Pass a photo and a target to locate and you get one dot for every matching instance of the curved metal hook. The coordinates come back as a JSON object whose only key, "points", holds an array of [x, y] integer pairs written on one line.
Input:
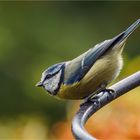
{"points": [[89, 108]]}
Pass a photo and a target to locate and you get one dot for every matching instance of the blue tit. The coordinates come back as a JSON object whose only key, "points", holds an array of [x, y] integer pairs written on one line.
{"points": [[88, 73]]}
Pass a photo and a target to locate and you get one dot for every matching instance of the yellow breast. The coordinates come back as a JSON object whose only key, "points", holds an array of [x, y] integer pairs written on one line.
{"points": [[69, 91]]}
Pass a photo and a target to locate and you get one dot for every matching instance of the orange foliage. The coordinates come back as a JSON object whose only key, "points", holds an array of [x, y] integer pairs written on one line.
{"points": [[62, 130], [118, 120]]}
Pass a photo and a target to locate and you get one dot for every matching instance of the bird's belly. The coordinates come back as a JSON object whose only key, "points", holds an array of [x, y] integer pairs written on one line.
{"points": [[101, 73], [78, 90]]}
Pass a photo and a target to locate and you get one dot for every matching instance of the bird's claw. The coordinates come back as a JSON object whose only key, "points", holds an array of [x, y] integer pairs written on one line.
{"points": [[96, 99], [111, 93]]}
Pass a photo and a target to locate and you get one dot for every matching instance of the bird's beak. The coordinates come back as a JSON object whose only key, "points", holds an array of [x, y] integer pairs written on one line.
{"points": [[125, 34], [39, 84]]}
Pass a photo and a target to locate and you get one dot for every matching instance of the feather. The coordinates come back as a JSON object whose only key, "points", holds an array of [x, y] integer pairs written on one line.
{"points": [[79, 66]]}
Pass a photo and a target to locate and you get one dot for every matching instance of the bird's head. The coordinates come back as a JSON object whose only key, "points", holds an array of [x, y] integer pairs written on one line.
{"points": [[52, 78]]}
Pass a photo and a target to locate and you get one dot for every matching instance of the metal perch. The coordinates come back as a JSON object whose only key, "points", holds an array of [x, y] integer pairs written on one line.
{"points": [[89, 108]]}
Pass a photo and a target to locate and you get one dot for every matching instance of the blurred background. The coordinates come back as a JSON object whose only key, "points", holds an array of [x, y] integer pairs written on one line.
{"points": [[35, 35]]}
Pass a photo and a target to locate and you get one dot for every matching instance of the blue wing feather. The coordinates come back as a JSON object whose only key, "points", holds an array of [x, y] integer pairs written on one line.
{"points": [[87, 61]]}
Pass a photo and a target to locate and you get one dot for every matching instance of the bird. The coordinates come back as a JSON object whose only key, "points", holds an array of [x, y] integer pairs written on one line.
{"points": [[89, 73]]}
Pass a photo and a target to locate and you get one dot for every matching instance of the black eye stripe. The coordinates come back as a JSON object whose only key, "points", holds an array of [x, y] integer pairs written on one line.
{"points": [[50, 75], [47, 77], [53, 70]]}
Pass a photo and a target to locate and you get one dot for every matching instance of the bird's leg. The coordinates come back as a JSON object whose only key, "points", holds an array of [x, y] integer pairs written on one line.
{"points": [[97, 97], [101, 88], [92, 95], [111, 93]]}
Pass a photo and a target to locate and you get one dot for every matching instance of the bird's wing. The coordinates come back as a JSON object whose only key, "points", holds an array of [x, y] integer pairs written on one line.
{"points": [[78, 67]]}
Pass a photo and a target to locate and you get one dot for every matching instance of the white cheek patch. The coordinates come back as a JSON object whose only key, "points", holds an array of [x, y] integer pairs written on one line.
{"points": [[52, 84]]}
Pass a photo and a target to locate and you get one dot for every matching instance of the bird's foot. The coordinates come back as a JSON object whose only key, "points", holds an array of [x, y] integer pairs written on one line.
{"points": [[111, 93], [94, 98], [97, 98]]}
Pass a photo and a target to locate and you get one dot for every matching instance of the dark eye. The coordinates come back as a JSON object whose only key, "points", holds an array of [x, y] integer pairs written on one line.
{"points": [[48, 76]]}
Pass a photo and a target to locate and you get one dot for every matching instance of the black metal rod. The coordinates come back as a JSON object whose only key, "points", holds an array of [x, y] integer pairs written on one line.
{"points": [[89, 108]]}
